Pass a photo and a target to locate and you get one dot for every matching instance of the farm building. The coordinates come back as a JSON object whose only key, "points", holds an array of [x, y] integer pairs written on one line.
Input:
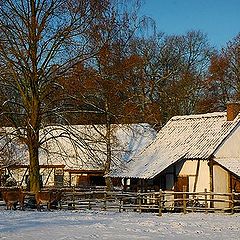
{"points": [[196, 151], [75, 155]]}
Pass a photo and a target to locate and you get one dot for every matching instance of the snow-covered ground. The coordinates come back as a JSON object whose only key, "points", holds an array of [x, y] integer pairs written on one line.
{"points": [[65, 225]]}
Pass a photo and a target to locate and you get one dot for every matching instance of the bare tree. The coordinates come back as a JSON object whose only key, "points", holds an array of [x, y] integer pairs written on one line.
{"points": [[107, 89], [223, 81], [232, 54], [175, 67], [39, 41]]}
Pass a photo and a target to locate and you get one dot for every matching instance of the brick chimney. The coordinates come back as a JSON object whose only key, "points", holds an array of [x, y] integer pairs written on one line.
{"points": [[233, 109]]}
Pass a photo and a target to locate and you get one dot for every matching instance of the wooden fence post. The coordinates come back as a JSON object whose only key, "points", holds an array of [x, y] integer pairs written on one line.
{"points": [[232, 202], [89, 201], [139, 201], [105, 201], [120, 204], [184, 199], [205, 201], [73, 198], [160, 203]]}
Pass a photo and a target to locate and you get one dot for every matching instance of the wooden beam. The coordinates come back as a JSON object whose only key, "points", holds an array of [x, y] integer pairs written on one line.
{"points": [[48, 176], [24, 175], [82, 171], [211, 181], [41, 166], [196, 176]]}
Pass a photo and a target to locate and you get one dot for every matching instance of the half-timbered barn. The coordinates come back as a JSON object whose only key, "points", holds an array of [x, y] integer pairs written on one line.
{"points": [[195, 152], [74, 155]]}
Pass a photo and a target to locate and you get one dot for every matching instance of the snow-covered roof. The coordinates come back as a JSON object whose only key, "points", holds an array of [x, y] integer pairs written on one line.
{"points": [[183, 137], [84, 146], [232, 164]]}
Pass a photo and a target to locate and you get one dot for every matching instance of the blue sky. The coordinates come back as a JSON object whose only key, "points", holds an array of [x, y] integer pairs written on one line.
{"points": [[219, 19]]}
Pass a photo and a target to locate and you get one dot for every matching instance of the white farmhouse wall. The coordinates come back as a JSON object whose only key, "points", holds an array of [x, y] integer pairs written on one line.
{"points": [[204, 177], [220, 179], [230, 147], [220, 185], [46, 174], [228, 150], [190, 168]]}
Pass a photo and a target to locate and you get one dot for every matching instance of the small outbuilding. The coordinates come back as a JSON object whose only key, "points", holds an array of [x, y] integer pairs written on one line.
{"points": [[74, 155]]}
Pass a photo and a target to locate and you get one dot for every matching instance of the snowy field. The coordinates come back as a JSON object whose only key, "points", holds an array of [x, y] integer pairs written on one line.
{"points": [[16, 225]]}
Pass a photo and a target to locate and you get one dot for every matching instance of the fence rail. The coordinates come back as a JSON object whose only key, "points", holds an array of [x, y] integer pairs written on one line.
{"points": [[162, 201], [159, 202]]}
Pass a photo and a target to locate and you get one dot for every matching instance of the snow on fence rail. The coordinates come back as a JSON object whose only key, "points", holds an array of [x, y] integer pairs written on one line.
{"points": [[159, 202]]}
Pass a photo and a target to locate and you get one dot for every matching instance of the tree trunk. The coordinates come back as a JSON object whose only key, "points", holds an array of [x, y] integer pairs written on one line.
{"points": [[34, 111], [108, 180], [34, 170]]}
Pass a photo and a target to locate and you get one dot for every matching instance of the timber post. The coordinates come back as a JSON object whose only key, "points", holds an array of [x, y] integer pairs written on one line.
{"points": [[139, 201], [232, 201], [73, 198], [211, 183], [105, 201], [89, 201], [184, 199], [160, 203], [120, 205], [205, 201]]}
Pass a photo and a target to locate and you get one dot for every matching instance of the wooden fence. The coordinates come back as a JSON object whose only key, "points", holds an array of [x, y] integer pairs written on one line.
{"points": [[158, 202]]}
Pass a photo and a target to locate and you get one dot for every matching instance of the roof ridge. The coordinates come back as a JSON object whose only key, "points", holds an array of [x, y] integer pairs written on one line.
{"points": [[202, 115]]}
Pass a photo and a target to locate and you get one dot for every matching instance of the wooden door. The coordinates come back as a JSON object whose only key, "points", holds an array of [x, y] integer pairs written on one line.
{"points": [[180, 183]]}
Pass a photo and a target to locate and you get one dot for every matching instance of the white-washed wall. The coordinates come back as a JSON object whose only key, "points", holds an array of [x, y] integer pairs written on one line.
{"points": [[220, 185], [204, 177], [231, 146], [189, 169], [47, 174]]}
